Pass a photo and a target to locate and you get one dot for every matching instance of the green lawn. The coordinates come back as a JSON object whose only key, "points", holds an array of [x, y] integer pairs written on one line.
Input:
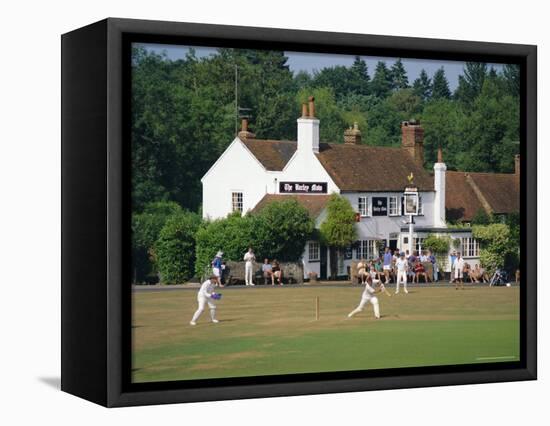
{"points": [[266, 331]]}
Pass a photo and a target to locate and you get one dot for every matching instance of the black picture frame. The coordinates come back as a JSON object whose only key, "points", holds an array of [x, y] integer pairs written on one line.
{"points": [[96, 307]]}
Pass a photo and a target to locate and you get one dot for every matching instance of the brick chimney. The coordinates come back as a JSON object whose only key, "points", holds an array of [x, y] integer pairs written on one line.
{"points": [[308, 128], [352, 136], [412, 139], [244, 133]]}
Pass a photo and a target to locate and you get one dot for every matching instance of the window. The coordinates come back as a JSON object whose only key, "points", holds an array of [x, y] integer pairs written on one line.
{"points": [[366, 249], [314, 251], [394, 207], [363, 205], [418, 244], [237, 202], [470, 247]]}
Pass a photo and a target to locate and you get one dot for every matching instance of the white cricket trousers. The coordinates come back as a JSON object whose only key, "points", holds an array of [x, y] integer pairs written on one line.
{"points": [[248, 273], [364, 300], [202, 302], [401, 276]]}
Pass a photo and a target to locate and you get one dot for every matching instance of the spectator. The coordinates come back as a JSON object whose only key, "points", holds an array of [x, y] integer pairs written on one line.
{"points": [[517, 276], [453, 260], [362, 271], [419, 271], [424, 257], [387, 264], [217, 267], [267, 271], [468, 272], [433, 261], [479, 274], [277, 272], [459, 271]]}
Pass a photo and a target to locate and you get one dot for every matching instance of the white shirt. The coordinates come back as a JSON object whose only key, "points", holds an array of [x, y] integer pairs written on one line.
{"points": [[401, 264], [459, 264], [206, 289], [369, 292], [249, 257]]}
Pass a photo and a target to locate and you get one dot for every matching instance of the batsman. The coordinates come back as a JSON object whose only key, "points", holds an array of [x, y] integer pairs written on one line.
{"points": [[205, 296], [368, 296]]}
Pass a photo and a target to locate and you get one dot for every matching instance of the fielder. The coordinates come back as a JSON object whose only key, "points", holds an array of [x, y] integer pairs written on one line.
{"points": [[368, 296], [249, 258], [206, 295], [402, 266]]}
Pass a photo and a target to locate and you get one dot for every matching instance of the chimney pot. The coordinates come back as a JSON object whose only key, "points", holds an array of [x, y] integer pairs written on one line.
{"points": [[439, 155], [244, 133], [304, 110], [311, 107], [517, 164], [352, 135]]}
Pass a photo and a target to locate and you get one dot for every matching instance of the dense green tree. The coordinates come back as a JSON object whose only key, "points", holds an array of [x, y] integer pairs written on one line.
{"points": [[381, 83], [281, 231], [176, 248], [495, 244], [338, 230], [511, 75], [471, 82], [422, 86], [146, 227], [440, 88], [399, 79], [359, 77]]}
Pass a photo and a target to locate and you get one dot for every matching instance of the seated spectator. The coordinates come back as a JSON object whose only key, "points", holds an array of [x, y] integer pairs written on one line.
{"points": [[267, 270], [418, 271], [468, 272], [362, 271], [277, 272], [479, 274]]}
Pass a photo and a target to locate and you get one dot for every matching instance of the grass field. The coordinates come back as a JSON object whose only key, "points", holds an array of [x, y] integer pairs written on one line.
{"points": [[266, 331]]}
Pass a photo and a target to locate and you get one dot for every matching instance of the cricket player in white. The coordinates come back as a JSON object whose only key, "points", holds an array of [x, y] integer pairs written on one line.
{"points": [[249, 258], [205, 296], [459, 271], [368, 296], [402, 265]]}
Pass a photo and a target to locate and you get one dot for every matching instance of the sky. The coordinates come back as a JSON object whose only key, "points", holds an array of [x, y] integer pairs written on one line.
{"points": [[301, 61]]}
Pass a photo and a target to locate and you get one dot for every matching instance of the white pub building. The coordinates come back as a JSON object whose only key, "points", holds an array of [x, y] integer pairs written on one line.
{"points": [[252, 172]]}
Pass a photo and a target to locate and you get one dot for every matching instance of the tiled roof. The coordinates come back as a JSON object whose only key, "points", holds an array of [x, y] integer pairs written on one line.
{"points": [[272, 154], [372, 168], [314, 204], [352, 167], [468, 192]]}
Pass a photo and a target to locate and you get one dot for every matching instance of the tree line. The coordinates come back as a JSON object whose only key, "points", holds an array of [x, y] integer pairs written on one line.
{"points": [[183, 113]]}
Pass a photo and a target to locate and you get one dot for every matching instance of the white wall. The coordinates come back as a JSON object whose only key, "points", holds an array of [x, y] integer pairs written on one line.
{"points": [[304, 166], [379, 227], [235, 171]]}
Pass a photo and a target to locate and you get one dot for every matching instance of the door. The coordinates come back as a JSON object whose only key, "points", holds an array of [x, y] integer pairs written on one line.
{"points": [[393, 245], [323, 265]]}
